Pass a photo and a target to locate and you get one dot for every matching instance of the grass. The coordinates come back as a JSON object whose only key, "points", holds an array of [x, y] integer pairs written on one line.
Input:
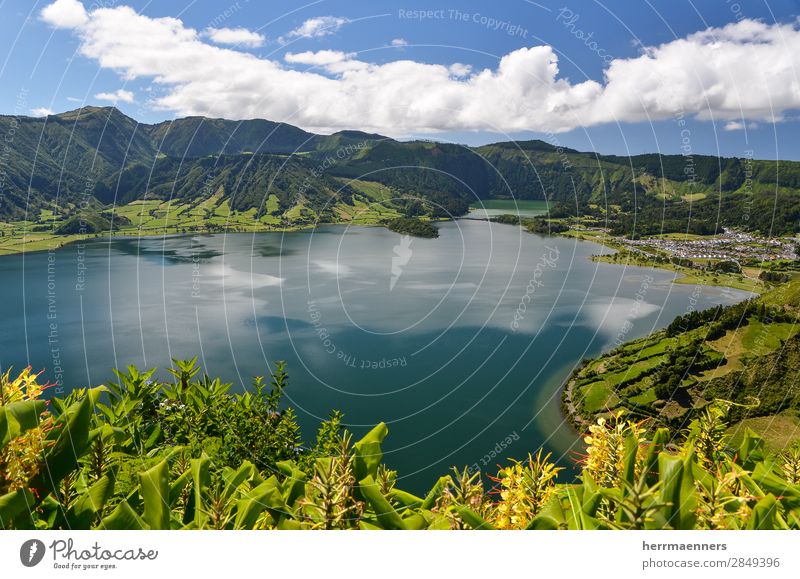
{"points": [[779, 431], [159, 217], [693, 197], [759, 339], [597, 397], [688, 276]]}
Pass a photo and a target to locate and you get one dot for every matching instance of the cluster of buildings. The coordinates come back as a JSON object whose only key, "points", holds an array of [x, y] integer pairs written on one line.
{"points": [[730, 245]]}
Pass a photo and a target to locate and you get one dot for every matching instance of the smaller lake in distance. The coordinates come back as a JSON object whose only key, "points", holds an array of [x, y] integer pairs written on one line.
{"points": [[494, 207]]}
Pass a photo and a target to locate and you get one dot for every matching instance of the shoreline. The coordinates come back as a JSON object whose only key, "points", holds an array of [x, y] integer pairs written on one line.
{"points": [[61, 241]]}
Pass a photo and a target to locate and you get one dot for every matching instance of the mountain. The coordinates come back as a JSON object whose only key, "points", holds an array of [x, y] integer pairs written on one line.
{"points": [[96, 156]]}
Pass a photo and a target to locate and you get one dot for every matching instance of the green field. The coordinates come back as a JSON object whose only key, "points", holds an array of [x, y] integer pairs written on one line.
{"points": [[371, 205], [751, 360]]}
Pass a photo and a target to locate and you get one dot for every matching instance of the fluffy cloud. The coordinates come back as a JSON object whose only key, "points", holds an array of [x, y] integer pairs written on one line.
{"points": [[743, 72], [65, 14], [120, 95], [317, 27], [235, 36], [41, 112], [399, 42], [738, 126], [319, 58]]}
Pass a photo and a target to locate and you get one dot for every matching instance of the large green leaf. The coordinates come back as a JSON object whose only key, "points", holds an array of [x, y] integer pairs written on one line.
{"points": [[70, 441], [660, 438], [368, 454], [294, 485], [154, 488], [763, 517], [408, 500], [19, 417], [234, 479], [266, 496], [678, 490], [787, 494], [551, 516], [87, 507], [435, 492], [384, 511], [751, 450], [14, 503], [473, 519], [201, 478], [122, 518]]}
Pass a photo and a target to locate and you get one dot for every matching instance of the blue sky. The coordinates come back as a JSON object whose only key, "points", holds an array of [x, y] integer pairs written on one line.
{"points": [[329, 64]]}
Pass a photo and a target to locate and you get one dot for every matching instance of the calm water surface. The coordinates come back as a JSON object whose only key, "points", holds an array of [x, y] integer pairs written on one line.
{"points": [[459, 344]]}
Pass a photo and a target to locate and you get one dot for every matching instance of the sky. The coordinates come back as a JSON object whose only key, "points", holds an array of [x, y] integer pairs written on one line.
{"points": [[717, 77]]}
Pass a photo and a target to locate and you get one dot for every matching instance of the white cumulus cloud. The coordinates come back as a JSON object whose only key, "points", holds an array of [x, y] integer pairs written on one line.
{"points": [[235, 36], [319, 58], [317, 27], [399, 42], [65, 14], [742, 72], [738, 126], [41, 112], [120, 95]]}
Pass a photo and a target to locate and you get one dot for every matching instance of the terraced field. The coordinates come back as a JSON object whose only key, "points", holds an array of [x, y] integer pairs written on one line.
{"points": [[667, 377]]}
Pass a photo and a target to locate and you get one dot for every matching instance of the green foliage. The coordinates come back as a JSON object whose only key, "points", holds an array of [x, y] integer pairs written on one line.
{"points": [[632, 477], [412, 226]]}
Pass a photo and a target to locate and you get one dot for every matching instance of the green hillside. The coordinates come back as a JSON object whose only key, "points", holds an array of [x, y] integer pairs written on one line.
{"points": [[95, 157], [748, 354]]}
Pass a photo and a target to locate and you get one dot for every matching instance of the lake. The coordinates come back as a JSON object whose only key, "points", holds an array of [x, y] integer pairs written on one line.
{"points": [[460, 344], [494, 207]]}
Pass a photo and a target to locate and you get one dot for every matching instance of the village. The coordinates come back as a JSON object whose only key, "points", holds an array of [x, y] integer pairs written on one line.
{"points": [[730, 245]]}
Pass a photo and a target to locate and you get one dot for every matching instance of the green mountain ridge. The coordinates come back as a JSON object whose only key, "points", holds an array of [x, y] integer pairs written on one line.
{"points": [[97, 156]]}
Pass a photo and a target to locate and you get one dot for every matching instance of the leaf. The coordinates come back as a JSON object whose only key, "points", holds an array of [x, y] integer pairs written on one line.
{"points": [[408, 500], [123, 518], [154, 488], [200, 477], [71, 441], [296, 480], [435, 492], [660, 438], [415, 522], [368, 454], [551, 516], [763, 515], [86, 508], [19, 417], [578, 519], [234, 479], [265, 496], [751, 450], [678, 490], [176, 488], [629, 458], [384, 512], [788, 495], [473, 519], [14, 503]]}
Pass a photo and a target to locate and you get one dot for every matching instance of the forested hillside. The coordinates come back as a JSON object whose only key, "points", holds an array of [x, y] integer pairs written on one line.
{"points": [[97, 157]]}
